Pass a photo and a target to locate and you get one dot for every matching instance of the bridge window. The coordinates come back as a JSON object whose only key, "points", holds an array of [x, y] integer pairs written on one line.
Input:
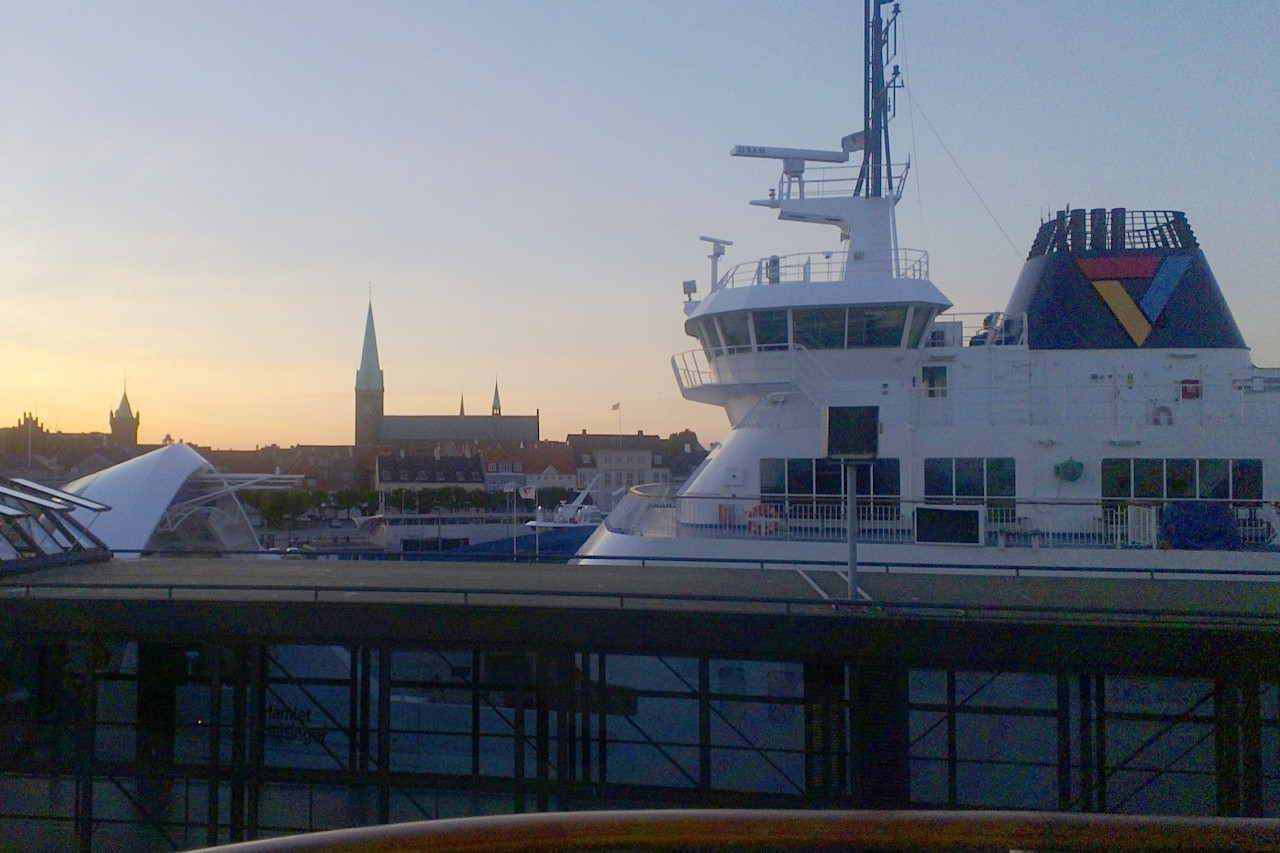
{"points": [[876, 327], [705, 330], [920, 316], [771, 329], [819, 328], [733, 328]]}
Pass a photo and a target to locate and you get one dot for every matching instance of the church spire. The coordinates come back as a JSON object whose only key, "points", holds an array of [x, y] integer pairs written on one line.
{"points": [[124, 423], [497, 404], [369, 376], [369, 395], [462, 405]]}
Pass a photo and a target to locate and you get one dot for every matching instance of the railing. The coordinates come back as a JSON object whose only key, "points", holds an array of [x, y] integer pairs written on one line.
{"points": [[839, 182], [822, 267], [652, 511], [764, 831], [990, 329], [694, 370]]}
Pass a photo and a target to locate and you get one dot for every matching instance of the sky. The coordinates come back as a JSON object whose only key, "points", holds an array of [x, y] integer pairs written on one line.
{"points": [[198, 200]]}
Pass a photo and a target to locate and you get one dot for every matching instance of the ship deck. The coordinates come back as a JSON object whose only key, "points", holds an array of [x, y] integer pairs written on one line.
{"points": [[374, 584]]}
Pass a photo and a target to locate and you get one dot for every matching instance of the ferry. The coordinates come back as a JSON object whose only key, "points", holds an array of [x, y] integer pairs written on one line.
{"points": [[1108, 419]]}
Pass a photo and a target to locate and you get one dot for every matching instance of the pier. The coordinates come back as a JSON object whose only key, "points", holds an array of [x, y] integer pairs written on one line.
{"points": [[164, 704]]}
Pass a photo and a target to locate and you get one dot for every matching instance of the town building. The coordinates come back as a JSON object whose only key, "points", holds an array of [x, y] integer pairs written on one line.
{"points": [[545, 465], [610, 464]]}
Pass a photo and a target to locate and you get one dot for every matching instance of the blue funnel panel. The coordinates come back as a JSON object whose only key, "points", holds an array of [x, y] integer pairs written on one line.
{"points": [[1129, 280]]}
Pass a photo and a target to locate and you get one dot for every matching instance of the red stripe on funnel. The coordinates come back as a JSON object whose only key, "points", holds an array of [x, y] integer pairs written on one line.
{"points": [[1130, 266]]}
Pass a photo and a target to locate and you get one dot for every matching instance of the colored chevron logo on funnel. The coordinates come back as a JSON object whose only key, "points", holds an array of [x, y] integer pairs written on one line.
{"points": [[1164, 274]]}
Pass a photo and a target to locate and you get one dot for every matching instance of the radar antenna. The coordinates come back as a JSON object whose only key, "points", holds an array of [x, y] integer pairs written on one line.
{"points": [[717, 252]]}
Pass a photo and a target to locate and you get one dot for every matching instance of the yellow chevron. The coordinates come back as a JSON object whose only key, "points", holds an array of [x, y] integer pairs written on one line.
{"points": [[1125, 309]]}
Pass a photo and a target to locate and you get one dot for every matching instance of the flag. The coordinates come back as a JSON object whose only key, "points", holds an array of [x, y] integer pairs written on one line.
{"points": [[617, 406], [527, 492]]}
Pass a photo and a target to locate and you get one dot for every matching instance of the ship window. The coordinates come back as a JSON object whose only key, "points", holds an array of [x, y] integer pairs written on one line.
{"points": [[1214, 479], [800, 476], [825, 478], [771, 329], [919, 319], [773, 477], [1180, 478], [707, 334], [933, 378], [1158, 479], [1148, 478], [733, 327], [876, 327], [819, 328], [969, 478], [828, 475], [1246, 479]]}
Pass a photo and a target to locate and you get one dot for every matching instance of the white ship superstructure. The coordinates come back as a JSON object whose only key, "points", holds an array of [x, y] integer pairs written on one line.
{"points": [[1109, 418]]}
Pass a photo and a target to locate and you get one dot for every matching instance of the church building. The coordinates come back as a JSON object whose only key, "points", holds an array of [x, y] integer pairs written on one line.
{"points": [[377, 433]]}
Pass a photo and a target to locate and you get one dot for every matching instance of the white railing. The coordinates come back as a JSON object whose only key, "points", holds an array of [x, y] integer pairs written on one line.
{"points": [[694, 370], [839, 182], [821, 267], [652, 510]]}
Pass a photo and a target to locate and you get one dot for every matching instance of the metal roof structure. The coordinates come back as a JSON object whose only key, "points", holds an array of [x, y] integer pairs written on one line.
{"points": [[38, 529], [172, 500]]}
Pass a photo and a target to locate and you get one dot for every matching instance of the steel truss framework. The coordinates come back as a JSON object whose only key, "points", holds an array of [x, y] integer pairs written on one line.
{"points": [[135, 744]]}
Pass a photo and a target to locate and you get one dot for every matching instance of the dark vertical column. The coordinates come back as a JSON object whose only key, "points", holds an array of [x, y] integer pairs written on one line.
{"points": [[241, 655], [1100, 741], [827, 738], [704, 723], [1226, 747], [517, 744], [1077, 230], [1064, 742], [159, 666], [213, 654], [256, 662], [1250, 749], [86, 697], [366, 702], [475, 731], [542, 733], [880, 737], [353, 714], [603, 716], [1098, 229], [1086, 743], [1117, 229], [564, 703], [586, 691], [953, 749], [384, 734]]}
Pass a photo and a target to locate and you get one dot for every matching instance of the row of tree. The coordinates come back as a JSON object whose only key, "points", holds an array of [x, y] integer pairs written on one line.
{"points": [[280, 506]]}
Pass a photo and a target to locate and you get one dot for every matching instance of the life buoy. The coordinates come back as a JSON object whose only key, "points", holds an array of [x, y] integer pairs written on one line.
{"points": [[763, 520]]}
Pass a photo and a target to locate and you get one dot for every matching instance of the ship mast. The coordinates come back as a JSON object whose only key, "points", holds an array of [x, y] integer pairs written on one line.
{"points": [[875, 180]]}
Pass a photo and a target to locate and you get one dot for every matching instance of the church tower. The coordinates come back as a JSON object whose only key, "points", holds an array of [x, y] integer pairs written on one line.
{"points": [[369, 391], [497, 404], [124, 423]]}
